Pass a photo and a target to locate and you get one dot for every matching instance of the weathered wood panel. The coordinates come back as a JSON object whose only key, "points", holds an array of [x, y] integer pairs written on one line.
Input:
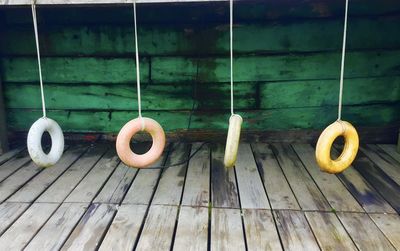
{"points": [[22, 231], [4, 157], [192, 229], [14, 164], [365, 234], [4, 147], [260, 229], [279, 192], [158, 228], [389, 225], [124, 229], [226, 230], [391, 150], [9, 212], [197, 182], [251, 190], [57, 229]]}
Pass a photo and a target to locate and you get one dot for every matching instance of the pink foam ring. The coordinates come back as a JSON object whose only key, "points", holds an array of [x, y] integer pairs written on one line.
{"points": [[129, 130]]}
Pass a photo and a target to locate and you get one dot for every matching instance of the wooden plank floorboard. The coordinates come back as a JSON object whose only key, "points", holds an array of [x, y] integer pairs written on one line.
{"points": [[251, 190], [91, 228], [117, 185], [33, 188], [391, 150], [63, 186], [11, 166], [279, 192], [306, 191], [22, 231], [389, 165], [226, 230], [294, 231], [365, 234], [158, 228], [197, 184], [224, 192], [89, 186], [329, 232], [192, 229], [260, 229], [389, 224], [57, 229], [331, 187], [10, 154], [170, 186], [125, 228], [9, 212]]}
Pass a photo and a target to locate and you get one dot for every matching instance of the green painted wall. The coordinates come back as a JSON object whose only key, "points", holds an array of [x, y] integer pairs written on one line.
{"points": [[286, 69]]}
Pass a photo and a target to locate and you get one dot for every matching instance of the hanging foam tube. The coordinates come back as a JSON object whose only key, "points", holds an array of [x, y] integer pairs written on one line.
{"points": [[128, 131], [34, 142], [232, 140], [324, 145]]}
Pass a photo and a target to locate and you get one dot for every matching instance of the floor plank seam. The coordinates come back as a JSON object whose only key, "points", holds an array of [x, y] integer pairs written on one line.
{"points": [[241, 210]]}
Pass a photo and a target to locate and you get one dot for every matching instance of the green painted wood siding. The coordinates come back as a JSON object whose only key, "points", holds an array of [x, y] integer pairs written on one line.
{"points": [[286, 70]]}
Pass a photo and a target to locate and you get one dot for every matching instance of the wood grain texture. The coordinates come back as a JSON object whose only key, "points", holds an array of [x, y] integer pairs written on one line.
{"points": [[391, 150], [197, 182], [365, 234], [251, 190], [329, 232], [389, 225], [279, 191], [158, 228], [226, 230], [9, 212], [90, 229], [65, 184], [260, 229], [22, 231], [334, 191], [224, 192], [20, 160], [124, 230], [294, 231], [306, 191], [6, 156], [192, 229], [57, 229]]}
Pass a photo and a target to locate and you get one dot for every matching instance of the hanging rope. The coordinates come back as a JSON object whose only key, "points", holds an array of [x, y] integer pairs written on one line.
{"points": [[137, 67], [231, 48], [38, 57], [342, 64]]}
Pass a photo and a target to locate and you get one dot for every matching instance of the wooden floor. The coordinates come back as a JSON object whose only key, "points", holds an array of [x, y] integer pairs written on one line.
{"points": [[274, 199]]}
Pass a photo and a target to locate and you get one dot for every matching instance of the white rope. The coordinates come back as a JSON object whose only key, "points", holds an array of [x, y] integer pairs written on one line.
{"points": [[231, 48], [38, 58], [137, 67], [342, 64]]}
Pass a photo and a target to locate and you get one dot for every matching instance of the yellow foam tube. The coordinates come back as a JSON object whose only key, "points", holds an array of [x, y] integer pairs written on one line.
{"points": [[324, 145], [232, 140]]}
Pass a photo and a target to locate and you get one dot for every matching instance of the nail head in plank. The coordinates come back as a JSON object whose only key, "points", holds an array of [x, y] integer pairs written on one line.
{"points": [[389, 224], [33, 188], [125, 228], [260, 229], [170, 186], [9, 212], [329, 232], [94, 180], [279, 192], [192, 229], [223, 183], [251, 189], [226, 230], [391, 150], [22, 231], [197, 184], [334, 191], [57, 229], [306, 191], [294, 231], [117, 185], [91, 228], [365, 234], [158, 228], [63, 186]]}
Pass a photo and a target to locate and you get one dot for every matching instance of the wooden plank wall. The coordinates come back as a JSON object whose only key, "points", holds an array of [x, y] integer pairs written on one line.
{"points": [[286, 65]]}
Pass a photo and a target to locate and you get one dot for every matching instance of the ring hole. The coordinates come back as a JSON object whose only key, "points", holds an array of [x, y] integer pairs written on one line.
{"points": [[141, 142], [46, 142], [338, 144]]}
